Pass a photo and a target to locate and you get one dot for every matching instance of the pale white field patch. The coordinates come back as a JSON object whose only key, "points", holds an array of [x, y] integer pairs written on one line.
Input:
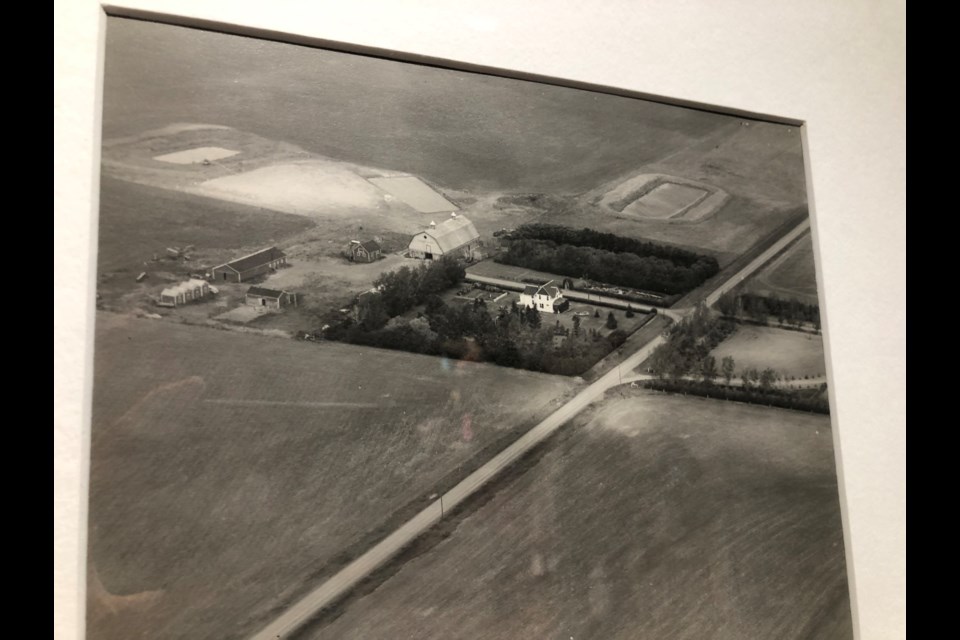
{"points": [[415, 193], [303, 188], [197, 156], [666, 200]]}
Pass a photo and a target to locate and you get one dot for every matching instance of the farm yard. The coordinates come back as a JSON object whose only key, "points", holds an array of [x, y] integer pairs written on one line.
{"points": [[230, 471], [791, 353], [791, 275], [652, 516]]}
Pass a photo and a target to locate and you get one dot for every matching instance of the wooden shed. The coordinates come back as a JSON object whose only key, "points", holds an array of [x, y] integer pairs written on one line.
{"points": [[270, 298]]}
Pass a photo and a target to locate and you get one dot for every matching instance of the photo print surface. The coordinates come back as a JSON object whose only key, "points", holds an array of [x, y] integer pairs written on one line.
{"points": [[396, 350]]}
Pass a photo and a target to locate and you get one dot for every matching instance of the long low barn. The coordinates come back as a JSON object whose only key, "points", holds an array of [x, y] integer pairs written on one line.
{"points": [[454, 236], [250, 266]]}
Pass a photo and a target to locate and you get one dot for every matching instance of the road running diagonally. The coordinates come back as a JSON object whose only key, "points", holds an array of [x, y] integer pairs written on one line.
{"points": [[348, 577]]}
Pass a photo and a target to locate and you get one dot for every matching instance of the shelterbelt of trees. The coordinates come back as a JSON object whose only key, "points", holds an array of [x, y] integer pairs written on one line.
{"points": [[684, 364], [750, 306], [627, 262], [511, 336], [813, 400]]}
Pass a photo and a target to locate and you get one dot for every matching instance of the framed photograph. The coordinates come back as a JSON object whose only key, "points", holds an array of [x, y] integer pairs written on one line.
{"points": [[390, 345]]}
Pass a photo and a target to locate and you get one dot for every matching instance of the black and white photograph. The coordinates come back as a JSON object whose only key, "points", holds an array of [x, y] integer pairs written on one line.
{"points": [[392, 349]]}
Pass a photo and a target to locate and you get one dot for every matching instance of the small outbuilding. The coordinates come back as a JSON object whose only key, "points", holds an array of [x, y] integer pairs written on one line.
{"points": [[369, 251], [250, 266], [270, 298]]}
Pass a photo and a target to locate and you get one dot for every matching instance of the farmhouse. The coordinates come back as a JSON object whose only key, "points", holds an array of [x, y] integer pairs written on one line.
{"points": [[250, 266], [184, 292], [455, 236], [269, 298], [368, 251], [547, 298]]}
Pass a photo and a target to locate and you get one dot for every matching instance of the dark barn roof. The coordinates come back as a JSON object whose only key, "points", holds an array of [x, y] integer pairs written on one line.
{"points": [[265, 293], [254, 260], [370, 246]]}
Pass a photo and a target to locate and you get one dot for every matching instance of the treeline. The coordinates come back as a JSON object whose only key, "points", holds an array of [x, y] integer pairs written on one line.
{"points": [[608, 242], [750, 306], [406, 288], [687, 348], [606, 257], [512, 336], [803, 400], [622, 269]]}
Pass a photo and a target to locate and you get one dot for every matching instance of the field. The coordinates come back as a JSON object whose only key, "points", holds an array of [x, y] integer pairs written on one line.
{"points": [[197, 155], [651, 516], [415, 193], [381, 118], [760, 167], [425, 121], [229, 472], [791, 275], [792, 353], [666, 200], [138, 221], [307, 188]]}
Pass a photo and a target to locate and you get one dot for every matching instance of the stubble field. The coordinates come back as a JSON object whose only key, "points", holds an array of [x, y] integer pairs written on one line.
{"points": [[230, 472], [652, 516], [791, 275]]}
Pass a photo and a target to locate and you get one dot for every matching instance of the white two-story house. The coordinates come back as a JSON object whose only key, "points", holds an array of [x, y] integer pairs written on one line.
{"points": [[546, 298]]}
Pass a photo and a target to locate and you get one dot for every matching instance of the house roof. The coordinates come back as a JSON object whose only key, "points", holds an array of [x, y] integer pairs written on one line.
{"points": [[370, 246], [453, 233], [264, 292], [530, 290], [255, 259], [553, 292]]}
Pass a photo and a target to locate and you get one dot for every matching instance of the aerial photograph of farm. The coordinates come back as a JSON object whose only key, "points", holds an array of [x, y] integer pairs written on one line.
{"points": [[387, 350]]}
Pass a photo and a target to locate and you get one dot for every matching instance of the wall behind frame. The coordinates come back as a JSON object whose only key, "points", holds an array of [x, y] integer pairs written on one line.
{"points": [[840, 67]]}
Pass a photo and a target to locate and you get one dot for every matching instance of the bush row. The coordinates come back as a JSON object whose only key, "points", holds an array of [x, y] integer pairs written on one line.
{"points": [[808, 400]]}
